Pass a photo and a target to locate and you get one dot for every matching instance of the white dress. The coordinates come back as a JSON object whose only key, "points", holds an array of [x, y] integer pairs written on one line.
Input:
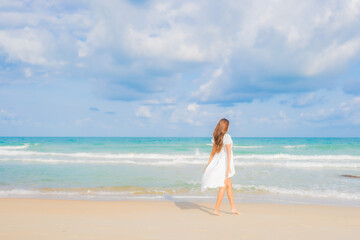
{"points": [[215, 173]]}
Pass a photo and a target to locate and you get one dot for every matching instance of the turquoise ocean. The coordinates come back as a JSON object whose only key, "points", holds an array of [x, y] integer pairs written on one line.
{"points": [[280, 170]]}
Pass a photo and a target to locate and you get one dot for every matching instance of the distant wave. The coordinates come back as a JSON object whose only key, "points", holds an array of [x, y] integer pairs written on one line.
{"points": [[248, 147], [177, 162], [301, 164], [120, 161], [234, 146], [26, 145], [198, 155], [157, 159], [282, 156], [294, 146], [103, 155], [298, 192], [99, 155]]}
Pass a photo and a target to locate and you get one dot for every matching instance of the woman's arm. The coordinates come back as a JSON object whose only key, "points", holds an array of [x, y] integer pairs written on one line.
{"points": [[228, 149], [210, 159]]}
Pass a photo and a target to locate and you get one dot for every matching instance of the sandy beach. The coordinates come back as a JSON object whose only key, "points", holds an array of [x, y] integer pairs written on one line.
{"points": [[77, 219]]}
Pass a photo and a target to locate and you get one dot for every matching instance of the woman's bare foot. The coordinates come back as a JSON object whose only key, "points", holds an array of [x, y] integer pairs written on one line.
{"points": [[216, 212], [235, 211]]}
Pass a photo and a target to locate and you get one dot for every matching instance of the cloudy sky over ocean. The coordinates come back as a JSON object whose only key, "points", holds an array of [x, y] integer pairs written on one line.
{"points": [[173, 68]]}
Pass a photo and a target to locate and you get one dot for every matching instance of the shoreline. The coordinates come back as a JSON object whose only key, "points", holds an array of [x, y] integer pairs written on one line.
{"points": [[82, 219], [245, 198]]}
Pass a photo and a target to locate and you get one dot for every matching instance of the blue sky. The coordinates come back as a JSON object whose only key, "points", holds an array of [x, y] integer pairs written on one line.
{"points": [[174, 68]]}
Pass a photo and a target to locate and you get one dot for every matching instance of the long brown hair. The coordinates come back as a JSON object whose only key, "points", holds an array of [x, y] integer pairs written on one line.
{"points": [[221, 128]]}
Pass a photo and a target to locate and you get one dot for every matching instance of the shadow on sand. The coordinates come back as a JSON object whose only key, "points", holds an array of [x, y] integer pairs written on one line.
{"points": [[186, 205]]}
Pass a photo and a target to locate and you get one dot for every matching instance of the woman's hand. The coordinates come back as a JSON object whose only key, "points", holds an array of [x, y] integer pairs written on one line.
{"points": [[227, 172]]}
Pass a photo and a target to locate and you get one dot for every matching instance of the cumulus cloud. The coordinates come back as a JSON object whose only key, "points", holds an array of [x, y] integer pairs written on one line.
{"points": [[170, 101], [152, 102], [187, 116], [138, 51], [23, 45], [277, 119], [303, 100], [273, 52], [167, 102], [347, 112], [193, 107], [143, 112]]}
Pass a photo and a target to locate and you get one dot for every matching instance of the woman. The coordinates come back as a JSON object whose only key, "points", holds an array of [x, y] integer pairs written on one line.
{"points": [[220, 167]]}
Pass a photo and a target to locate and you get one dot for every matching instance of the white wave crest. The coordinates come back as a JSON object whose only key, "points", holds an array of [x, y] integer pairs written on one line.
{"points": [[282, 156], [242, 147], [298, 192], [104, 155], [26, 145], [294, 146], [157, 156], [301, 164], [248, 147], [120, 161], [178, 162]]}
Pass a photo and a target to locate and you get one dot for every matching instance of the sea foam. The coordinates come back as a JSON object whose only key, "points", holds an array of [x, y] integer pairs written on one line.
{"points": [[26, 145]]}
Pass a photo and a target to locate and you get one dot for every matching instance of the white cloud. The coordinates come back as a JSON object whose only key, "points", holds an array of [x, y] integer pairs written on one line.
{"points": [[306, 100], [193, 107], [142, 48], [346, 112], [169, 33], [333, 57], [152, 102], [170, 100], [189, 116], [293, 40], [200, 115], [97, 37], [24, 45], [303, 100], [277, 119], [143, 111], [166, 101], [27, 72], [206, 90]]}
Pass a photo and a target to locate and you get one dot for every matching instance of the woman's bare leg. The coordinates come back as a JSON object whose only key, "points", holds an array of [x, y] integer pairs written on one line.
{"points": [[219, 199], [230, 196]]}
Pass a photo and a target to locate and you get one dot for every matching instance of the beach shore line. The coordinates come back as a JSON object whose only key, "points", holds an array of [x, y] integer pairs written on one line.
{"points": [[80, 219]]}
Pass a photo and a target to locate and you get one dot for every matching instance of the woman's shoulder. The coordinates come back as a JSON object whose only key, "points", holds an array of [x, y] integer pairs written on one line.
{"points": [[227, 135], [227, 138]]}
